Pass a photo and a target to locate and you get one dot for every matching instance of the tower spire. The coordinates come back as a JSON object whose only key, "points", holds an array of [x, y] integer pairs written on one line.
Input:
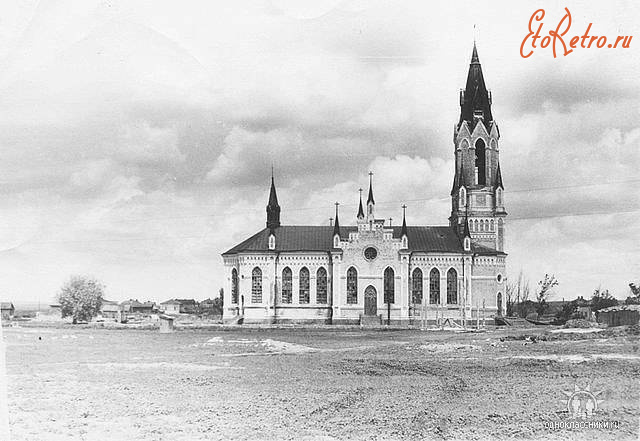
{"points": [[403, 232], [273, 209], [370, 198], [360, 210], [475, 102], [336, 224]]}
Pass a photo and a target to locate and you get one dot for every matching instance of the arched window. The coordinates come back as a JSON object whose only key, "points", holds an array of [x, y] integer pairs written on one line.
{"points": [[475, 225], [452, 287], [304, 286], [434, 286], [482, 225], [287, 285], [256, 285], [499, 197], [416, 286], [491, 225], [481, 161], [321, 286], [352, 286], [463, 197], [389, 282], [499, 303], [234, 286]]}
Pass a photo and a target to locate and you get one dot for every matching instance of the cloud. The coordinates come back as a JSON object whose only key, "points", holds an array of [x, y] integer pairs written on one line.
{"points": [[138, 137]]}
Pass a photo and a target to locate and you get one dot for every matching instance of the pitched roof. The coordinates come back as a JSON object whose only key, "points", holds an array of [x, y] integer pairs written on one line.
{"points": [[137, 304], [6, 305], [319, 238]]}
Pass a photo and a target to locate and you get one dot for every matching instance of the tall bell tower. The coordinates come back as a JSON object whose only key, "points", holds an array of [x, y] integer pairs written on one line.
{"points": [[477, 191]]}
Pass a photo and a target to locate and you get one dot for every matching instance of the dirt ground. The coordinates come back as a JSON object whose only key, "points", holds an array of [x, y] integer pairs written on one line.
{"points": [[307, 384]]}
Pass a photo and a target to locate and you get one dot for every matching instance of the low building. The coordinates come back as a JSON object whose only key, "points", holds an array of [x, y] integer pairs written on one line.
{"points": [[132, 306], [171, 306], [188, 306], [619, 315], [110, 309], [7, 310], [584, 309], [179, 306]]}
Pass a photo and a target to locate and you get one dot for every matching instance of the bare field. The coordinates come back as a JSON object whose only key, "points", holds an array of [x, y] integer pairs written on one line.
{"points": [[247, 383]]}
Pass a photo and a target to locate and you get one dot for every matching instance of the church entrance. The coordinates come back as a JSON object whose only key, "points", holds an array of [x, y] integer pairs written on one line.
{"points": [[370, 301]]}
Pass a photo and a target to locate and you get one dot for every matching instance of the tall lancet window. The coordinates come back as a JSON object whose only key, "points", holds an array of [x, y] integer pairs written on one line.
{"points": [[287, 285], [434, 286], [452, 287], [352, 286], [321, 286], [416, 286], [234, 286], [462, 202], [389, 289], [256, 285], [304, 286], [481, 162]]}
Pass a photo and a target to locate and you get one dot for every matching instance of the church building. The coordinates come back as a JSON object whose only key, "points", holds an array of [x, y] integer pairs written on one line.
{"points": [[371, 272]]}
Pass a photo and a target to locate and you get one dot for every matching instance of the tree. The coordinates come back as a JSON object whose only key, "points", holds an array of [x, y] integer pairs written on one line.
{"points": [[602, 299], [510, 289], [545, 289], [568, 309], [81, 298], [518, 296]]}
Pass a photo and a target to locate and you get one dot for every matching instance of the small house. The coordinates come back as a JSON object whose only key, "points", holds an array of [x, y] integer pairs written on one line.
{"points": [[584, 309], [619, 315], [136, 307], [110, 309], [188, 306], [171, 306], [7, 310]]}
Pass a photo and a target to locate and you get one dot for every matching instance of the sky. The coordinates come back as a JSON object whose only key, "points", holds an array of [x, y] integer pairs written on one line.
{"points": [[137, 137]]}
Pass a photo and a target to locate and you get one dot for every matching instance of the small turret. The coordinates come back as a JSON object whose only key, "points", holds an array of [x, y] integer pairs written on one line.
{"points": [[273, 209], [336, 230], [370, 201], [466, 236], [403, 232], [360, 210]]}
